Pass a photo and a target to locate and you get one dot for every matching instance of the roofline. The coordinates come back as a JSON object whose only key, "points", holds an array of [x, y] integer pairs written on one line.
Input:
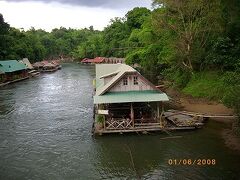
{"points": [[111, 85], [110, 74]]}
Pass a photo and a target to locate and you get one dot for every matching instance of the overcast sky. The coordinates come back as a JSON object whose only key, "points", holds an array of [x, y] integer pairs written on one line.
{"points": [[49, 14]]}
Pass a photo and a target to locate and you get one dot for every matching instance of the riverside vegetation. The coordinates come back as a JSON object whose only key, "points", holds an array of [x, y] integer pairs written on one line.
{"points": [[194, 44]]}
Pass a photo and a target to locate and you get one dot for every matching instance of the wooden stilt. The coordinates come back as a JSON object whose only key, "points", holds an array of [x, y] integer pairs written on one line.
{"points": [[158, 114], [104, 123], [161, 120], [158, 110], [132, 114]]}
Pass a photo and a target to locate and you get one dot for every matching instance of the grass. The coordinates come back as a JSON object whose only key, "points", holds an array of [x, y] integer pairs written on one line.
{"points": [[208, 85]]}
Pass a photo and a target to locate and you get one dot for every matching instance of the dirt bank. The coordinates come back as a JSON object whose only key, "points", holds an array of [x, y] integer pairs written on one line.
{"points": [[201, 105], [231, 140]]}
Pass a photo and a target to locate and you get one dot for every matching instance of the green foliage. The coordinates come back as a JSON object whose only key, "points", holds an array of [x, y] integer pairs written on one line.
{"points": [[39, 44], [100, 118], [231, 97], [206, 84], [136, 17], [224, 53], [4, 28], [217, 86]]}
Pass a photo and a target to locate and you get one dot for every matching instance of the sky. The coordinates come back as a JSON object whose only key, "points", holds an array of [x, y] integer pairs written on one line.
{"points": [[78, 14]]}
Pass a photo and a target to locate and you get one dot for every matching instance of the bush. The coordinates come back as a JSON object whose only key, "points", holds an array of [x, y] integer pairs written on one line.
{"points": [[100, 118], [206, 84], [179, 77], [232, 100]]}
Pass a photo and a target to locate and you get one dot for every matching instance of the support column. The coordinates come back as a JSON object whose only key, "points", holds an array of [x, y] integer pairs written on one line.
{"points": [[161, 120], [132, 114], [104, 123], [159, 115], [158, 110]]}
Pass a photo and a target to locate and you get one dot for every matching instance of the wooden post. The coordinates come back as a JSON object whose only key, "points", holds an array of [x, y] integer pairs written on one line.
{"points": [[158, 110], [161, 121], [158, 115], [132, 114], [104, 123]]}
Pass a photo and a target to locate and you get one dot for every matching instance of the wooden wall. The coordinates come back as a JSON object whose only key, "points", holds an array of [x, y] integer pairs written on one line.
{"points": [[142, 85]]}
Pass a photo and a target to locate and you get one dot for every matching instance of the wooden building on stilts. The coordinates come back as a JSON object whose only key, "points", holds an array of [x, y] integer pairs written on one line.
{"points": [[125, 101]]}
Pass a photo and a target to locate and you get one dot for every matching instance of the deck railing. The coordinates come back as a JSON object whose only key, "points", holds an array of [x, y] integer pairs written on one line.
{"points": [[118, 124]]}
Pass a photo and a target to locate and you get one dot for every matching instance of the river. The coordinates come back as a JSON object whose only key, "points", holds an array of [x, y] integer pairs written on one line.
{"points": [[45, 133]]}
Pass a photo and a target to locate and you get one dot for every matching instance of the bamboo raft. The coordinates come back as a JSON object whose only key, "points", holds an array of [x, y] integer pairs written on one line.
{"points": [[203, 115]]}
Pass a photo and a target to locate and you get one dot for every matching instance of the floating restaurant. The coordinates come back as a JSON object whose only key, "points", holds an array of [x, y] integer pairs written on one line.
{"points": [[125, 101], [12, 71], [46, 66]]}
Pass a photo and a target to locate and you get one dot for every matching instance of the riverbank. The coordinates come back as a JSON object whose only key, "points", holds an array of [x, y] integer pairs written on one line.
{"points": [[231, 140], [203, 105]]}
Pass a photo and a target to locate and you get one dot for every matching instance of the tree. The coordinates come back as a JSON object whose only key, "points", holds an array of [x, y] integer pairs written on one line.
{"points": [[4, 28], [115, 36], [192, 23], [136, 17]]}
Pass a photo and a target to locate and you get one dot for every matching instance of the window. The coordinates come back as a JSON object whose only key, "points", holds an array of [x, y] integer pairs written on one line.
{"points": [[135, 80], [125, 81]]}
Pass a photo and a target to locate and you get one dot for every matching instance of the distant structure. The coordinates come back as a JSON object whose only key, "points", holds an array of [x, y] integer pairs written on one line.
{"points": [[114, 60], [103, 60], [47, 66], [12, 71], [27, 63]]}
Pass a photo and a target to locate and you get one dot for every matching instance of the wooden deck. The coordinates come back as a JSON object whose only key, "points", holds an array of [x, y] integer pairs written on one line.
{"points": [[128, 125], [142, 128]]}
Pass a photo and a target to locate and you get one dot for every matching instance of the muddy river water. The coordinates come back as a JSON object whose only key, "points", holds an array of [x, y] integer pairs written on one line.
{"points": [[45, 133]]}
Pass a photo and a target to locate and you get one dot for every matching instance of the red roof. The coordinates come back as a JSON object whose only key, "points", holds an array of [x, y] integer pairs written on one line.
{"points": [[84, 60], [98, 59], [44, 62]]}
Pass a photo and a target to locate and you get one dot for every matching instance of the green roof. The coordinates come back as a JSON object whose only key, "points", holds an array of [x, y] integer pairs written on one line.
{"points": [[11, 66], [130, 96]]}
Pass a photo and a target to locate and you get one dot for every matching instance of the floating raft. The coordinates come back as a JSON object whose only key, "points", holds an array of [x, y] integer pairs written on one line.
{"points": [[183, 120], [203, 115]]}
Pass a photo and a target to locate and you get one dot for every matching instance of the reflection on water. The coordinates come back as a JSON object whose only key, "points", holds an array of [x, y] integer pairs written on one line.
{"points": [[45, 133]]}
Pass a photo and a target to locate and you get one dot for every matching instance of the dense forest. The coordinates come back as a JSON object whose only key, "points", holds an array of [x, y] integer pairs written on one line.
{"points": [[194, 44]]}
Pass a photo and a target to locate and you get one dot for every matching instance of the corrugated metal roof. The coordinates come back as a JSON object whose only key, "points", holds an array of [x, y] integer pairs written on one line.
{"points": [[11, 66], [108, 69], [130, 96], [108, 75], [27, 63], [103, 69]]}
